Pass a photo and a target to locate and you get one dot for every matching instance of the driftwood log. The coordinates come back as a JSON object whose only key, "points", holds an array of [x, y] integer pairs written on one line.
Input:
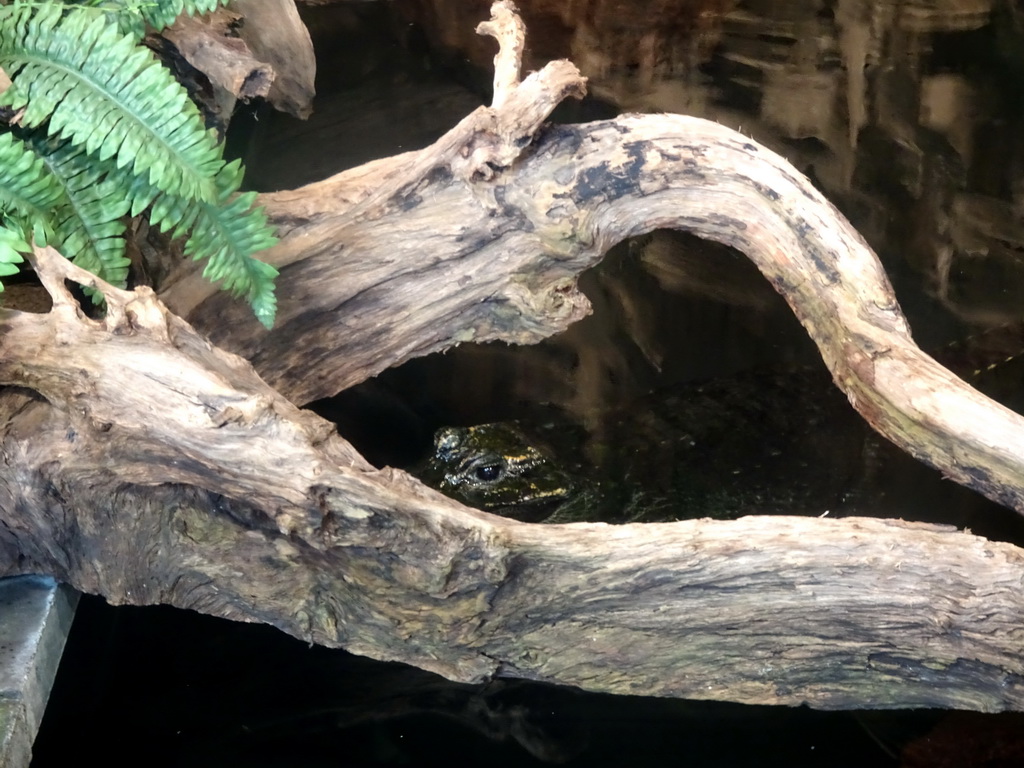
{"points": [[147, 464], [257, 48]]}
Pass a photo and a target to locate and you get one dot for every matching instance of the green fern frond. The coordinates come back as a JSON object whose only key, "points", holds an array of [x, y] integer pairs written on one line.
{"points": [[226, 233], [132, 16], [99, 89], [131, 140], [12, 245], [161, 13], [61, 193], [89, 218], [27, 189], [125, 14]]}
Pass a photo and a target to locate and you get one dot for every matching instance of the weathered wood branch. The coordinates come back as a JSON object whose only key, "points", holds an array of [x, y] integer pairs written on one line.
{"points": [[256, 49], [145, 464], [481, 237], [275, 34], [160, 469], [206, 44]]}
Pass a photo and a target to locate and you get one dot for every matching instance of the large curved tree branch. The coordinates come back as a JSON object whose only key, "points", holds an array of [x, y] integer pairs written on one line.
{"points": [[143, 463], [482, 235]]}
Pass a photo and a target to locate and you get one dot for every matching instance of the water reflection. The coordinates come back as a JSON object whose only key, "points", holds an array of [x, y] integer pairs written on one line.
{"points": [[162, 687]]}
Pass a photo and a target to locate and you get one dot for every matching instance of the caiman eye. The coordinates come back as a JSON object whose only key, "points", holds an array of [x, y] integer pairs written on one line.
{"points": [[488, 472]]}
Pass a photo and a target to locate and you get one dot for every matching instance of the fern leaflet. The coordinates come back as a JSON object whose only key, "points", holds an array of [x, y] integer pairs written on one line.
{"points": [[12, 245], [89, 219], [131, 140], [27, 190], [161, 13], [99, 89]]}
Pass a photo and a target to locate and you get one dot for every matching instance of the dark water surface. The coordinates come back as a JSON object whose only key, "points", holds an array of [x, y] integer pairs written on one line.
{"points": [[907, 115]]}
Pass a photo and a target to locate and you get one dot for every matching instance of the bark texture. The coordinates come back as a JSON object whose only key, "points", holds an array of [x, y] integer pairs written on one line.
{"points": [[255, 49], [144, 463], [275, 34], [208, 45]]}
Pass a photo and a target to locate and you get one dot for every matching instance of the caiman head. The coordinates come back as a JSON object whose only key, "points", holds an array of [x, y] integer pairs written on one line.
{"points": [[495, 467]]}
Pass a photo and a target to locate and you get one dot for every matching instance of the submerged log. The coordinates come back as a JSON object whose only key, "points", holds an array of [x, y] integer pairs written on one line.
{"points": [[148, 465]]}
